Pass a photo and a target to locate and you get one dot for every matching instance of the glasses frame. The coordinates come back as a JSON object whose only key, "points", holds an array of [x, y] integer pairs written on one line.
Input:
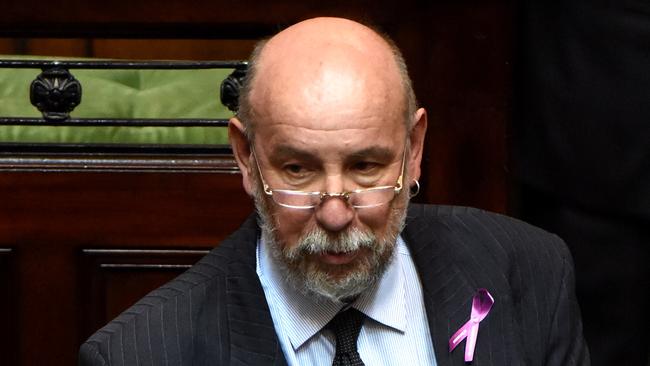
{"points": [[322, 195]]}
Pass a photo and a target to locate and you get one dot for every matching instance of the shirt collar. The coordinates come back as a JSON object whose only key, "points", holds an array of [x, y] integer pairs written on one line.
{"points": [[303, 317]]}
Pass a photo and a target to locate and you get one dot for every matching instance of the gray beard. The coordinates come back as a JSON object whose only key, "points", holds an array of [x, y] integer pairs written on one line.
{"points": [[306, 275]]}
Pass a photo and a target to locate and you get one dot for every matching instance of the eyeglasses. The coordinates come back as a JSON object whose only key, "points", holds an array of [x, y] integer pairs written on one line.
{"points": [[358, 198]]}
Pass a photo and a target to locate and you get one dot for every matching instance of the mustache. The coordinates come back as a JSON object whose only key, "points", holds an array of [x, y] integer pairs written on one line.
{"points": [[318, 241]]}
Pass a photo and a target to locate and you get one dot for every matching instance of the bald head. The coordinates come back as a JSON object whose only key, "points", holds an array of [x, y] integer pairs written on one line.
{"points": [[328, 107], [325, 64]]}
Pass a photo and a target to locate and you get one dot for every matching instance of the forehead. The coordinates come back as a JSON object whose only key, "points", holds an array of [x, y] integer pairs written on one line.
{"points": [[328, 106], [336, 123], [328, 82]]}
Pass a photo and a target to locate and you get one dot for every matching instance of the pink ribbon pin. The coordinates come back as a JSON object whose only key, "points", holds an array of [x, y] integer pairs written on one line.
{"points": [[481, 305]]}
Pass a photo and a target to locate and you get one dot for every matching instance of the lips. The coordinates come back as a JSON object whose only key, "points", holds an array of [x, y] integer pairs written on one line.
{"points": [[338, 258]]}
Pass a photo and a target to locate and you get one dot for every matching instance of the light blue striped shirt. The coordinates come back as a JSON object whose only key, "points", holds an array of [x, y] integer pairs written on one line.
{"points": [[395, 332]]}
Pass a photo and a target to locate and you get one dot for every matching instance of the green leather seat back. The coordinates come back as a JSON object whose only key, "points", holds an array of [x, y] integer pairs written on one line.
{"points": [[122, 94]]}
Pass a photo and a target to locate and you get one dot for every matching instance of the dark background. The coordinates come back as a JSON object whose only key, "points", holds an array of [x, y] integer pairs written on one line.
{"points": [[581, 156]]}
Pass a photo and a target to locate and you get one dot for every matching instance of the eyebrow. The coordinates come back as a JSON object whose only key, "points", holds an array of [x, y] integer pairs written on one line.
{"points": [[283, 152], [375, 152]]}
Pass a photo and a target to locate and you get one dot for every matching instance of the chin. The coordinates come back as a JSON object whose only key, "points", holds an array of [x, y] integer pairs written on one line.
{"points": [[341, 282]]}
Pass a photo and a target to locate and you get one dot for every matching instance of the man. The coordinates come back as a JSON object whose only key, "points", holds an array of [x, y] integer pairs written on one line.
{"points": [[334, 269]]}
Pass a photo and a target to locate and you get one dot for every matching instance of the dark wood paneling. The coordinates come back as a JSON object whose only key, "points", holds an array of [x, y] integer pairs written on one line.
{"points": [[9, 296], [170, 49], [460, 56], [111, 280], [201, 19], [37, 158], [8, 46], [119, 48], [115, 209], [74, 47], [50, 217]]}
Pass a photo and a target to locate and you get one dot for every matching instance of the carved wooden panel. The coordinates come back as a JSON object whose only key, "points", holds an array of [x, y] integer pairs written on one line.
{"points": [[111, 280], [49, 218], [9, 297], [118, 209]]}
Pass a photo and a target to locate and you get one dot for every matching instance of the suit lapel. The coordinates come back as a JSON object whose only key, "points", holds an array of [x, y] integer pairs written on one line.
{"points": [[448, 287], [450, 277], [253, 340]]}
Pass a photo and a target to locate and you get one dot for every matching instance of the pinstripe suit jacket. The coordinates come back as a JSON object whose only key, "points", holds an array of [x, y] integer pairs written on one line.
{"points": [[216, 312]]}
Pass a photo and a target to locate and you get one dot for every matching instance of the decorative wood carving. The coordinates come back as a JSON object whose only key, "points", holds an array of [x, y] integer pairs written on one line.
{"points": [[55, 93], [230, 88]]}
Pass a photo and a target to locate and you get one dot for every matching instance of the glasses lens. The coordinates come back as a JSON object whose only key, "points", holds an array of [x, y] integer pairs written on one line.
{"points": [[372, 197], [295, 199]]}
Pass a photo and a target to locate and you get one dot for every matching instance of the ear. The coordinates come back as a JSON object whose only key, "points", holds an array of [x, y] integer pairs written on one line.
{"points": [[418, 131], [242, 151]]}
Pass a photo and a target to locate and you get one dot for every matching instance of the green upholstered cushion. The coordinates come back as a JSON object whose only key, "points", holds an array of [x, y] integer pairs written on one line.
{"points": [[122, 94]]}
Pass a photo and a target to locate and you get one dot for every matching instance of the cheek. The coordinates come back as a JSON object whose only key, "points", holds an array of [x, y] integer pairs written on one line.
{"points": [[382, 220], [375, 218], [291, 224]]}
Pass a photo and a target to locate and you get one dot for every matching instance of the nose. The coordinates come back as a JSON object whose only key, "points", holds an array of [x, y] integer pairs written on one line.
{"points": [[334, 214]]}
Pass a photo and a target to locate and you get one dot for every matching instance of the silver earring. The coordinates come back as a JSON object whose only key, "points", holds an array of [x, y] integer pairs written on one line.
{"points": [[417, 189]]}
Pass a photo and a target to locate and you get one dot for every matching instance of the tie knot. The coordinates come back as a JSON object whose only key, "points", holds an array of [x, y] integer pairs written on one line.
{"points": [[346, 326]]}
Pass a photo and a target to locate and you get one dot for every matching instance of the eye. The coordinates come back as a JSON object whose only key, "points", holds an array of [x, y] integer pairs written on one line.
{"points": [[297, 173], [365, 167], [295, 169]]}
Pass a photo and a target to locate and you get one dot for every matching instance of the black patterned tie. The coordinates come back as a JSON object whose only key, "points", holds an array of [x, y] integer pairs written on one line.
{"points": [[346, 326]]}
